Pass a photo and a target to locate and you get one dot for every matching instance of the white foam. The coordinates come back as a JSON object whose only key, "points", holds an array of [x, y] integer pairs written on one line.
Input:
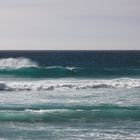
{"points": [[46, 110], [71, 68], [75, 84], [15, 63]]}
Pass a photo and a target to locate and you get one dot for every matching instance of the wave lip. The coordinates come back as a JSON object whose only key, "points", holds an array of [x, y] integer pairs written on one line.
{"points": [[16, 63], [43, 85]]}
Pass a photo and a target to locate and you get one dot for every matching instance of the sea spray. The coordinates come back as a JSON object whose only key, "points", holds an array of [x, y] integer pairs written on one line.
{"points": [[16, 63]]}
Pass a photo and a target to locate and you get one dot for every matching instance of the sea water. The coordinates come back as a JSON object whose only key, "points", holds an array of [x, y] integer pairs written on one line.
{"points": [[70, 95]]}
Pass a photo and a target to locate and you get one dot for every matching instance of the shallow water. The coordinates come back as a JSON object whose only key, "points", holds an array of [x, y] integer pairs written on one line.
{"points": [[70, 113]]}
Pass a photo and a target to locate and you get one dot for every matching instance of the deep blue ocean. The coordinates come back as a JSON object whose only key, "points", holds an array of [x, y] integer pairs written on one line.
{"points": [[70, 95]]}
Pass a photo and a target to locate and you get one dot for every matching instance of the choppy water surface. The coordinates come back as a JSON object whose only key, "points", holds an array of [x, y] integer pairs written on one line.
{"points": [[73, 100]]}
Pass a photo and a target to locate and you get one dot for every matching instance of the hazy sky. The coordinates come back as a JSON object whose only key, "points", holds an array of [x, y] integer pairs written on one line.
{"points": [[69, 24]]}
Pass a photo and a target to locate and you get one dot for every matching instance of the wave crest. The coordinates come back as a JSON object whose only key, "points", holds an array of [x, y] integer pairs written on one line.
{"points": [[16, 63]]}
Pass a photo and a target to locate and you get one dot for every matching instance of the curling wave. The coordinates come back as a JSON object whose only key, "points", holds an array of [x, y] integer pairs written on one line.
{"points": [[81, 84]]}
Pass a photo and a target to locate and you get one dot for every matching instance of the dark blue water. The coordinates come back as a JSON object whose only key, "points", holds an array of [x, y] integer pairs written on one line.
{"points": [[97, 59]]}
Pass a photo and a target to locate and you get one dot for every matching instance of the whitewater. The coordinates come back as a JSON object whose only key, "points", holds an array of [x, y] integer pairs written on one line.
{"points": [[69, 95], [43, 85]]}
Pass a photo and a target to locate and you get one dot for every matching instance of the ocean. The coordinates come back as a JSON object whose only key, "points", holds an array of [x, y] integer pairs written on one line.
{"points": [[70, 95]]}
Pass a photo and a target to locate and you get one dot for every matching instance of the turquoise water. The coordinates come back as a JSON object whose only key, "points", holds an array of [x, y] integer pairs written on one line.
{"points": [[101, 113], [74, 101]]}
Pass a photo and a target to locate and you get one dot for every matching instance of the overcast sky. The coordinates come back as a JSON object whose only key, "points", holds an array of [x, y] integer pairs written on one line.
{"points": [[69, 24]]}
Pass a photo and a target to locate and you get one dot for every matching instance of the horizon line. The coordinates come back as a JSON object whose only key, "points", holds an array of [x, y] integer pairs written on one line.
{"points": [[69, 50]]}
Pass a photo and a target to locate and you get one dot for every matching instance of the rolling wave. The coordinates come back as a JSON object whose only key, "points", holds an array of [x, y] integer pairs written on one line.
{"points": [[43, 85], [24, 67], [77, 114], [40, 72], [59, 71], [50, 106]]}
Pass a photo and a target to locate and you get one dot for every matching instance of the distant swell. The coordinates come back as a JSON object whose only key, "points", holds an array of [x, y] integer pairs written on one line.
{"points": [[70, 114], [81, 84]]}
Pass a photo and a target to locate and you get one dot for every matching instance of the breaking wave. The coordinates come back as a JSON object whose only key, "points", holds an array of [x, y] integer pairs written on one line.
{"points": [[25, 67], [16, 63], [81, 84]]}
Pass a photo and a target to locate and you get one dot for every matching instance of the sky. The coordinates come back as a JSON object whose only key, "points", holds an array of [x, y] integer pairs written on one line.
{"points": [[69, 24]]}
